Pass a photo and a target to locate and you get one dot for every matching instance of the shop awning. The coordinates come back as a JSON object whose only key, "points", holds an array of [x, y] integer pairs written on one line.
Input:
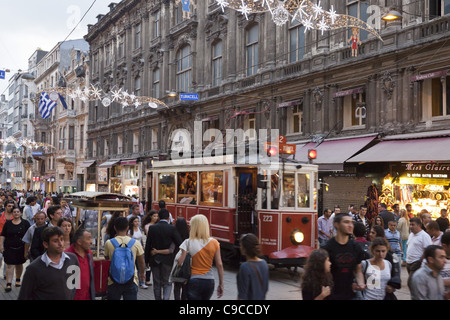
{"points": [[87, 164], [108, 164], [128, 162], [332, 154], [411, 150]]}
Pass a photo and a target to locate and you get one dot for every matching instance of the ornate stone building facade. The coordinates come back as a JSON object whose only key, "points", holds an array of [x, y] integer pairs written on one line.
{"points": [[252, 74]]}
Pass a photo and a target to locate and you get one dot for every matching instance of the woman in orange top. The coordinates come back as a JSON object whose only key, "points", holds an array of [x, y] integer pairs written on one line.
{"points": [[203, 250]]}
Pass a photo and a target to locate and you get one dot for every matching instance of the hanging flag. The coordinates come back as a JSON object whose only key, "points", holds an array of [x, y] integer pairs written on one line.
{"points": [[63, 101], [46, 105]]}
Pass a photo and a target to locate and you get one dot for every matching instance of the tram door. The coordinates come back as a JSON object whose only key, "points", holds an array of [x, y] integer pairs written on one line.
{"points": [[246, 203]]}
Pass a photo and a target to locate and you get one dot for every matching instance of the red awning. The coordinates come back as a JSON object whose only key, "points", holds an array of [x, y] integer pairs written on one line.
{"points": [[332, 154], [412, 150]]}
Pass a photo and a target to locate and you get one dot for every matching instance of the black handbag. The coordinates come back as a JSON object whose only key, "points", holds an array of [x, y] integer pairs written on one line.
{"points": [[182, 273]]}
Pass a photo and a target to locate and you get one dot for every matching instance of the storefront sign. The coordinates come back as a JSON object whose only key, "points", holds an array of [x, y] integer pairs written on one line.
{"points": [[102, 175], [340, 94], [428, 170], [437, 74]]}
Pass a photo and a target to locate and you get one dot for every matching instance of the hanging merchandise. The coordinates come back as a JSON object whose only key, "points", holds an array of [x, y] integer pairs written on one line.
{"points": [[372, 202]]}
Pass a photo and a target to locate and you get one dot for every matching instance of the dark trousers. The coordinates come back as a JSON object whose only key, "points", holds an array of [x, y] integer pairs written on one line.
{"points": [[161, 284], [200, 289], [127, 291], [179, 291]]}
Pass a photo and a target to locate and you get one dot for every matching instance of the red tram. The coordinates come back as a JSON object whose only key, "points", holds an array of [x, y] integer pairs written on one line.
{"points": [[277, 202]]}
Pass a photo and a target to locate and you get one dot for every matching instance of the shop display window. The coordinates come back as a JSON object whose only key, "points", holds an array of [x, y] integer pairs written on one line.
{"points": [[187, 187], [288, 190], [303, 198], [211, 188], [131, 172], [167, 187]]}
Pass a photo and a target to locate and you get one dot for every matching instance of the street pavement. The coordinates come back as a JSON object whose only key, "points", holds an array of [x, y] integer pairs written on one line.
{"points": [[283, 285]]}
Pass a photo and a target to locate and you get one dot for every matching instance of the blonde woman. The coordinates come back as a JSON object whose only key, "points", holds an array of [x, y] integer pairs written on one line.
{"points": [[203, 250], [403, 228]]}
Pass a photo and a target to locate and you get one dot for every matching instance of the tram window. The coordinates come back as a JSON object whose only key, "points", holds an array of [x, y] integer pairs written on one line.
{"points": [[303, 198], [187, 187], [167, 187], [288, 190], [275, 190], [211, 189]]}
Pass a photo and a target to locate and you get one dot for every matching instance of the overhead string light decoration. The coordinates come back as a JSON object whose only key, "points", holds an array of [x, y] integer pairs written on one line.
{"points": [[24, 142], [94, 93], [310, 15]]}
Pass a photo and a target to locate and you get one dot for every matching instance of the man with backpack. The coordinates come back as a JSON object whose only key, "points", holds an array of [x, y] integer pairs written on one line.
{"points": [[123, 252]]}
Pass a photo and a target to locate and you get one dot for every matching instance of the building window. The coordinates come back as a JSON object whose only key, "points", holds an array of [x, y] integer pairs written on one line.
{"points": [[296, 42], [184, 69], [108, 55], [137, 36], [437, 8], [137, 86], [358, 9], [252, 50], [155, 139], [119, 144], [295, 118], [71, 137], [355, 110], [157, 24], [81, 137], [136, 142], [217, 63], [436, 97], [121, 47], [156, 83]]}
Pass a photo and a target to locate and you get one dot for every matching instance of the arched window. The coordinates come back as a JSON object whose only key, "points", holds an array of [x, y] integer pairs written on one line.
{"points": [[184, 69], [217, 64], [252, 50]]}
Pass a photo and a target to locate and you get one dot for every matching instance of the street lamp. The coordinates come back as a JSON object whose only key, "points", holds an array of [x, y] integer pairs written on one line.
{"points": [[392, 15], [172, 93]]}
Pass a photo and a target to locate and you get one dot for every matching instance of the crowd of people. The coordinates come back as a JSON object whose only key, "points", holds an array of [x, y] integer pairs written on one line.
{"points": [[356, 259], [360, 259]]}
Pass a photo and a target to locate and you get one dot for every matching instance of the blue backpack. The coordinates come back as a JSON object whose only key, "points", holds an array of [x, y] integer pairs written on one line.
{"points": [[122, 262]]}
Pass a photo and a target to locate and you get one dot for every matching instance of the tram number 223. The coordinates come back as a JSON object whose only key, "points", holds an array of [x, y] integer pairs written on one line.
{"points": [[267, 218]]}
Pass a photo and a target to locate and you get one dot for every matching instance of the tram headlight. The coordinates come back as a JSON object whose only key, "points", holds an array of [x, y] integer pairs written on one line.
{"points": [[297, 237]]}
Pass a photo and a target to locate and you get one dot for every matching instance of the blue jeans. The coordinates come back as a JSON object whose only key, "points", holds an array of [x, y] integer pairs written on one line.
{"points": [[200, 289], [404, 247], [127, 291]]}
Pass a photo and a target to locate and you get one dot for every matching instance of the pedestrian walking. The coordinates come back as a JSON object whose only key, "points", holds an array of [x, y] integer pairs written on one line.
{"points": [[427, 283], [150, 219], [203, 250], [28, 213], [39, 220], [361, 217], [128, 252], [37, 248], [445, 272], [13, 248], [377, 271], [394, 238], [160, 237], [418, 240], [317, 280], [324, 226], [345, 256], [434, 232], [180, 288], [50, 277], [134, 231], [82, 241], [403, 228], [443, 220], [253, 275], [65, 223]]}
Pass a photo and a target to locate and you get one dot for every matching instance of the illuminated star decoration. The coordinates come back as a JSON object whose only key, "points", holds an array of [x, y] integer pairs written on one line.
{"points": [[116, 95], [96, 92], [308, 24], [222, 4], [244, 9], [300, 10]]}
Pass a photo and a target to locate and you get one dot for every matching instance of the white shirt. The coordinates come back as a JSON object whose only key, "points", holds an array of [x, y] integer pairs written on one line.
{"points": [[377, 281], [416, 245], [49, 262]]}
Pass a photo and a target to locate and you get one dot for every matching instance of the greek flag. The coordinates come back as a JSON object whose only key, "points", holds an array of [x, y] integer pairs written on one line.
{"points": [[46, 105]]}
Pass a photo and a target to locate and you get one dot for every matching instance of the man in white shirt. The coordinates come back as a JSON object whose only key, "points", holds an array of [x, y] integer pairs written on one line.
{"points": [[418, 240]]}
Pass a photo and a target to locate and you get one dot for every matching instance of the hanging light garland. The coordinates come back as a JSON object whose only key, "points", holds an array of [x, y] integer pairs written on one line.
{"points": [[25, 142], [312, 16], [94, 93]]}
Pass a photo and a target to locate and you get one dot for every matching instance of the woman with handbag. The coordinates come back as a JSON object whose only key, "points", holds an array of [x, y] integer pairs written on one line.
{"points": [[203, 250], [253, 275]]}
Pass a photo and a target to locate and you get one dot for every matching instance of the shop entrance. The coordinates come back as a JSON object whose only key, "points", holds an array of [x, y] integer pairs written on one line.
{"points": [[246, 200]]}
